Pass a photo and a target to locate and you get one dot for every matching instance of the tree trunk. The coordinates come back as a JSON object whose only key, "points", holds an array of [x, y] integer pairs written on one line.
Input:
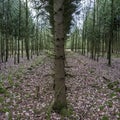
{"points": [[111, 35], [59, 38], [18, 57], [27, 32]]}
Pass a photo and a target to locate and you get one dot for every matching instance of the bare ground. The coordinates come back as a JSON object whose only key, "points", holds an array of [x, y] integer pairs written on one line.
{"points": [[93, 89]]}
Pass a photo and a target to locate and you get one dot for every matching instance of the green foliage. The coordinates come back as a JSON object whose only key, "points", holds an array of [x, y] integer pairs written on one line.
{"points": [[70, 6], [4, 110], [117, 90], [110, 86], [97, 27], [113, 95], [67, 112], [1, 99], [2, 90], [64, 112], [118, 114], [10, 80], [114, 86], [101, 107], [49, 110], [58, 107], [105, 118], [50, 54], [14, 12], [109, 103]]}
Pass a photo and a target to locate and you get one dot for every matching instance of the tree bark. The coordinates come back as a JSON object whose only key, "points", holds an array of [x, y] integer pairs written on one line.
{"points": [[111, 34], [18, 56], [59, 38], [27, 32]]}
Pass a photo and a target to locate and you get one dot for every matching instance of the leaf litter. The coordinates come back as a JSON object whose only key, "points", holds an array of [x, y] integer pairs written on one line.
{"points": [[31, 93]]}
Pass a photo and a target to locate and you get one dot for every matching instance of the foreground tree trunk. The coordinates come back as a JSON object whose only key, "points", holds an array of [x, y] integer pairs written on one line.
{"points": [[59, 38]]}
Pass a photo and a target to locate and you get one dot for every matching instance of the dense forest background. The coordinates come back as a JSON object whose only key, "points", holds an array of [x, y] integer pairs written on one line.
{"points": [[25, 27]]}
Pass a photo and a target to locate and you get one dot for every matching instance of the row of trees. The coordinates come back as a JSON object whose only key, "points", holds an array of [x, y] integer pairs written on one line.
{"points": [[100, 34], [20, 32]]}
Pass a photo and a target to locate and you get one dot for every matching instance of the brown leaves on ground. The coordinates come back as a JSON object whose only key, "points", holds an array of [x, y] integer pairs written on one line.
{"points": [[92, 90]]}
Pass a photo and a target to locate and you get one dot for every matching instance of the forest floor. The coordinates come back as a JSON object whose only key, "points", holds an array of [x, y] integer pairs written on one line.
{"points": [[93, 89]]}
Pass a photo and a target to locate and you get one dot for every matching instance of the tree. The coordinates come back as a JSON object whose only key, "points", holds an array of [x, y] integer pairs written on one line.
{"points": [[59, 37], [16, 29], [19, 33], [101, 30], [27, 32], [111, 33], [61, 12]]}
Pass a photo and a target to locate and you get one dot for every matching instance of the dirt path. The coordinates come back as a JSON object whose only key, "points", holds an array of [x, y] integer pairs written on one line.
{"points": [[92, 91]]}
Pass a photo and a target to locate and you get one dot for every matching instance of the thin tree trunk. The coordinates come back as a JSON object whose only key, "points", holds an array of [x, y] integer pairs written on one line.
{"points": [[26, 36], [7, 30], [111, 35], [93, 38], [18, 57]]}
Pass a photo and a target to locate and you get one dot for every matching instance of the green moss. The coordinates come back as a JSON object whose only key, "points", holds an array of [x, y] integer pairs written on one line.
{"points": [[101, 107], [110, 86], [66, 112], [118, 114], [2, 90], [4, 110], [7, 94], [58, 106], [10, 116], [113, 85], [117, 90], [49, 110], [18, 117], [10, 80], [109, 103], [17, 75], [105, 118], [48, 114], [113, 95], [1, 99]]}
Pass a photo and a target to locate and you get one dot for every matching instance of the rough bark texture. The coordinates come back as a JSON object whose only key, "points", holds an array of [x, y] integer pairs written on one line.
{"points": [[60, 93]]}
